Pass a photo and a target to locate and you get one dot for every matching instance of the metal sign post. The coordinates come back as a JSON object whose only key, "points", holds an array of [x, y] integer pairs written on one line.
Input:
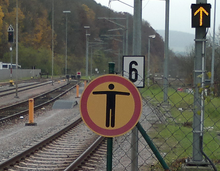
{"points": [[11, 81], [107, 115], [110, 139], [109, 153], [166, 53], [11, 40], [111, 105], [16, 83], [200, 20]]}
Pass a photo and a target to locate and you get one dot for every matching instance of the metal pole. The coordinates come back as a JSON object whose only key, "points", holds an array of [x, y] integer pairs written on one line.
{"points": [[66, 12], [200, 44], [52, 39], [137, 27], [91, 63], [109, 153], [149, 37], [119, 60], [87, 50], [11, 62], [213, 48], [126, 48], [148, 63], [110, 139], [87, 53], [123, 42], [198, 97], [166, 52], [16, 95], [137, 23], [66, 48]]}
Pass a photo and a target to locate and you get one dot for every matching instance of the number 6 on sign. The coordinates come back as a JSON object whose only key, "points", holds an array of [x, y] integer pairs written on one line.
{"points": [[133, 69], [133, 72]]}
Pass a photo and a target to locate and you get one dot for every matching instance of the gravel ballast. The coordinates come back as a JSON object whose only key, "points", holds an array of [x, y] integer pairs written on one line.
{"points": [[15, 136]]}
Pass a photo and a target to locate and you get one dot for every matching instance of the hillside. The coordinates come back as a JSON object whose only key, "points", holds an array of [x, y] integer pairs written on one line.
{"points": [[179, 41], [35, 32]]}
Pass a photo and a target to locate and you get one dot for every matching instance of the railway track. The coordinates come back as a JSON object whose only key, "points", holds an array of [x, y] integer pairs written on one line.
{"points": [[21, 108], [22, 86], [12, 90], [72, 148]]}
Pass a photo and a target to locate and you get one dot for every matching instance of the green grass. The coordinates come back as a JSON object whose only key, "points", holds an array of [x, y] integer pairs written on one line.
{"points": [[175, 137]]}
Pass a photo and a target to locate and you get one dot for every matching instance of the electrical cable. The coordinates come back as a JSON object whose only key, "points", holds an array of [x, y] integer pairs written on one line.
{"points": [[201, 140]]}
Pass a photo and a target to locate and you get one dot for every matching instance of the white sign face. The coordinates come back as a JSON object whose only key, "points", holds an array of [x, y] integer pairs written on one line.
{"points": [[10, 29], [134, 70]]}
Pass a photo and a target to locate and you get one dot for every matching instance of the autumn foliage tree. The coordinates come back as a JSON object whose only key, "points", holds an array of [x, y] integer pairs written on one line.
{"points": [[35, 34]]}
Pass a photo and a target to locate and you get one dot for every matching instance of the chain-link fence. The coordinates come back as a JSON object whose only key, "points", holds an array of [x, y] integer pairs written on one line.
{"points": [[171, 128]]}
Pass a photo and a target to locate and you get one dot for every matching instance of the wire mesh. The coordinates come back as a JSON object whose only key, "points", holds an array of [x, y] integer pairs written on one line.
{"points": [[170, 127]]}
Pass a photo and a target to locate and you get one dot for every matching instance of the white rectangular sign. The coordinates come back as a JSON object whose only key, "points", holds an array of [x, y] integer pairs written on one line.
{"points": [[134, 70]]}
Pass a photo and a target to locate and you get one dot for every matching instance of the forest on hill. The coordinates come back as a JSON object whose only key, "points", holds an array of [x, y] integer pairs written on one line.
{"points": [[35, 35]]}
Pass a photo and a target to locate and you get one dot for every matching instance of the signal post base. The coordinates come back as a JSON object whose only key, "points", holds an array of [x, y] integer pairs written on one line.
{"points": [[191, 165], [30, 124], [196, 168], [200, 166]]}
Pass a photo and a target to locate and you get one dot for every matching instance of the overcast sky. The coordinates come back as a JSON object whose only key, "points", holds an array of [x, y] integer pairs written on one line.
{"points": [[153, 11]]}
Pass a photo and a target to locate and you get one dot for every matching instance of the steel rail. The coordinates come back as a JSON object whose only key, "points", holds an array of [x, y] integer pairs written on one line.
{"points": [[38, 146], [22, 88], [37, 106], [85, 155]]}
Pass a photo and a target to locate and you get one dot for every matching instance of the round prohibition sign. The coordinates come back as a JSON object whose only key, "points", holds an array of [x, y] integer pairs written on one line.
{"points": [[111, 105]]}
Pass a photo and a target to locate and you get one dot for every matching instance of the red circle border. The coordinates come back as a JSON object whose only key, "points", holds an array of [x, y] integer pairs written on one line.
{"points": [[137, 108]]}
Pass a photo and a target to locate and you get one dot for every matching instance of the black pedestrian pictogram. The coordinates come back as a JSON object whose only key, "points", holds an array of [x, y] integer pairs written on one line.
{"points": [[110, 106]]}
